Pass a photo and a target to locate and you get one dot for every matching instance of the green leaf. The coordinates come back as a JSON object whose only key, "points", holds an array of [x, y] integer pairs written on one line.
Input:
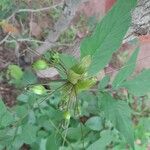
{"points": [[52, 143], [126, 71], [108, 35], [23, 97], [140, 85], [28, 134], [2, 108], [28, 78], [6, 119], [100, 144], [68, 60], [21, 111], [5, 116], [119, 113], [94, 123], [82, 66], [104, 82], [89, 103], [15, 72], [74, 133]]}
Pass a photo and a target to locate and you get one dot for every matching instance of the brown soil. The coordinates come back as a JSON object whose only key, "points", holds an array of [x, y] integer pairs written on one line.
{"points": [[7, 92]]}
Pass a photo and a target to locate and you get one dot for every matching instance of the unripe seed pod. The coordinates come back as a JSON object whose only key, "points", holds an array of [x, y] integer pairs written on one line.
{"points": [[67, 115], [38, 89], [40, 64]]}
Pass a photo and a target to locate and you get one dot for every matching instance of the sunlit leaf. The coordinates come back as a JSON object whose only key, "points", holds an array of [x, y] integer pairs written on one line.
{"points": [[15, 72], [108, 35]]}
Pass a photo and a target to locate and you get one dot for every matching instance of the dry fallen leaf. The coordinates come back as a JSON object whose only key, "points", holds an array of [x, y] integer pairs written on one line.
{"points": [[35, 29], [9, 28]]}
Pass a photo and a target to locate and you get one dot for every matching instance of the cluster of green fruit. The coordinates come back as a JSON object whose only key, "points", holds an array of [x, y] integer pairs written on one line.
{"points": [[76, 75]]}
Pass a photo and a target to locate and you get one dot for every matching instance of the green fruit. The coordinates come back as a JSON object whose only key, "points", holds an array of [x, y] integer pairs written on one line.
{"points": [[82, 66], [15, 72], [40, 64], [38, 89], [85, 84], [73, 77], [67, 115]]}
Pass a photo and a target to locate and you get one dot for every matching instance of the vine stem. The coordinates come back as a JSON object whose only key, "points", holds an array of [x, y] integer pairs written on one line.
{"points": [[52, 123], [75, 92], [67, 122]]}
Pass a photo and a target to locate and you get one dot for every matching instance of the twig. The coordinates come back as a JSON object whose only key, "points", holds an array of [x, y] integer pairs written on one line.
{"points": [[24, 40], [5, 38], [34, 10], [55, 44], [39, 9]]}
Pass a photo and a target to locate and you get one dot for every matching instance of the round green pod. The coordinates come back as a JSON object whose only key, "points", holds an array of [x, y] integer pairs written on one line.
{"points": [[40, 64], [38, 89]]}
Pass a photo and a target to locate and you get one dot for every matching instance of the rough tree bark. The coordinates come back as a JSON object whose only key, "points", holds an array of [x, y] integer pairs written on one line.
{"points": [[140, 20]]}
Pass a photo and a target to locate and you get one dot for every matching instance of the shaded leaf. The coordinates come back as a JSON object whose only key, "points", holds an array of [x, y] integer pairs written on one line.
{"points": [[28, 134], [52, 143], [119, 113], [2, 108], [104, 82], [140, 85], [108, 35], [28, 78], [94, 123], [101, 143], [5, 116], [126, 71]]}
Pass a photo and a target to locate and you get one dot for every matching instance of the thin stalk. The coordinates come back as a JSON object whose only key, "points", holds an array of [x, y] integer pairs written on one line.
{"points": [[75, 92], [60, 134]]}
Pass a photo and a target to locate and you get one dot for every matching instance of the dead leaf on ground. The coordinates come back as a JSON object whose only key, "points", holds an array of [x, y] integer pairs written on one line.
{"points": [[35, 29], [45, 22], [9, 28], [93, 8]]}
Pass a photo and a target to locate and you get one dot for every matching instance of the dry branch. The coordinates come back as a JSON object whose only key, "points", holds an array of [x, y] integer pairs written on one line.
{"points": [[69, 11]]}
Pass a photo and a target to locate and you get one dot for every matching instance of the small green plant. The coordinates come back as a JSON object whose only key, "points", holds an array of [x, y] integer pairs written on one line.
{"points": [[68, 36], [68, 113], [5, 8]]}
